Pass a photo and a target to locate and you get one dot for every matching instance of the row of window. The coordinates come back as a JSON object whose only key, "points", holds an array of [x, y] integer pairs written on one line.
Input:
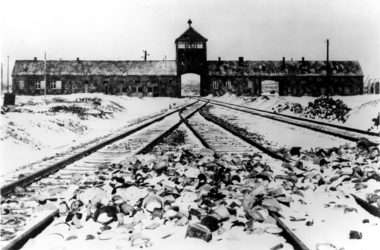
{"points": [[41, 84], [215, 84], [190, 45], [58, 85], [136, 82], [141, 89]]}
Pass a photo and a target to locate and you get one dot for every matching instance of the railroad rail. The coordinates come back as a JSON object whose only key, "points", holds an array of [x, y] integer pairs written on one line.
{"points": [[348, 133], [215, 142], [135, 141], [52, 167], [223, 139]]}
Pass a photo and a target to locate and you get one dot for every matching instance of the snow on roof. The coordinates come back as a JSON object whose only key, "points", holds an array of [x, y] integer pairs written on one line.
{"points": [[252, 68], [191, 35], [79, 67]]}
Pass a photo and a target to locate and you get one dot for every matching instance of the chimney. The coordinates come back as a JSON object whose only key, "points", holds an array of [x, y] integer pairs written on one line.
{"points": [[283, 64], [219, 61], [78, 60], [35, 59], [241, 61], [303, 59], [327, 50]]}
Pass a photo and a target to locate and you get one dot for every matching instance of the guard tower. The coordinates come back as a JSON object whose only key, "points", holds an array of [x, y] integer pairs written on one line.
{"points": [[191, 56]]}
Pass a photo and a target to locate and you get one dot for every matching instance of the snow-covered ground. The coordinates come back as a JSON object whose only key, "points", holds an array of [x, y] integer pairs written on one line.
{"points": [[278, 134], [364, 108], [42, 127]]}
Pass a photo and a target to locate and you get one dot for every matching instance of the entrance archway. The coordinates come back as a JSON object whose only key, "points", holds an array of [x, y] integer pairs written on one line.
{"points": [[190, 84]]}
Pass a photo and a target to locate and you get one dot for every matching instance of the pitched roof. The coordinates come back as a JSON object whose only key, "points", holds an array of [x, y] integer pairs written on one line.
{"points": [[252, 68], [191, 35], [122, 68]]}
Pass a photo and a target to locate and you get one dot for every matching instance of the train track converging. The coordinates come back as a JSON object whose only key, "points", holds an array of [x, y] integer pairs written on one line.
{"points": [[26, 192], [29, 212]]}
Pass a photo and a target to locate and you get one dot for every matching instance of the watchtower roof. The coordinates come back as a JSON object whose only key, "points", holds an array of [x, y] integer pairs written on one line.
{"points": [[190, 35]]}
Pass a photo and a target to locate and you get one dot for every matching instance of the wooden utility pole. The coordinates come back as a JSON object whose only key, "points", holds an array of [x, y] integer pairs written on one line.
{"points": [[145, 55], [45, 78], [327, 68]]}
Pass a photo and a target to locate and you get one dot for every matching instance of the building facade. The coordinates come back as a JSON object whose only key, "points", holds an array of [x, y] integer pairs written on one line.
{"points": [[163, 78]]}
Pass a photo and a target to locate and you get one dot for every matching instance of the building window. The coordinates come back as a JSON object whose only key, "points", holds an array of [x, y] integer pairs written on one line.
{"points": [[250, 84], [215, 84], [228, 84], [56, 85], [150, 89], [137, 82], [190, 45], [21, 84], [124, 89], [140, 89], [134, 89], [40, 85]]}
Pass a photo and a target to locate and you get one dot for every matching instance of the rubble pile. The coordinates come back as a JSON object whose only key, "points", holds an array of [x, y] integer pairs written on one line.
{"points": [[322, 108], [147, 199], [177, 192]]}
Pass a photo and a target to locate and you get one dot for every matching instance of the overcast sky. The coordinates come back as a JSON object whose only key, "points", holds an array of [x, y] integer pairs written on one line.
{"points": [[255, 29]]}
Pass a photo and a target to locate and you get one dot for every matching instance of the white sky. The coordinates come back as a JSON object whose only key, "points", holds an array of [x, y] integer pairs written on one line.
{"points": [[255, 29]]}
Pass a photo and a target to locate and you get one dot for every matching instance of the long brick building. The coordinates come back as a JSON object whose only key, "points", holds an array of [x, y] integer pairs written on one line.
{"points": [[163, 78]]}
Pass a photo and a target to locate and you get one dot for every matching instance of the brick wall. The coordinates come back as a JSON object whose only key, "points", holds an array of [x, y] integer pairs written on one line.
{"points": [[290, 85], [158, 85]]}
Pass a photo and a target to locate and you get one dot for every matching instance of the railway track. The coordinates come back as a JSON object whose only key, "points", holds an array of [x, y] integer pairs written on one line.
{"points": [[219, 140], [222, 139], [22, 197], [47, 167], [347, 133]]}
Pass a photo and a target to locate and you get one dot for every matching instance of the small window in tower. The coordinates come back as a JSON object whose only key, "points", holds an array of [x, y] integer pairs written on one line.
{"points": [[215, 84]]}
